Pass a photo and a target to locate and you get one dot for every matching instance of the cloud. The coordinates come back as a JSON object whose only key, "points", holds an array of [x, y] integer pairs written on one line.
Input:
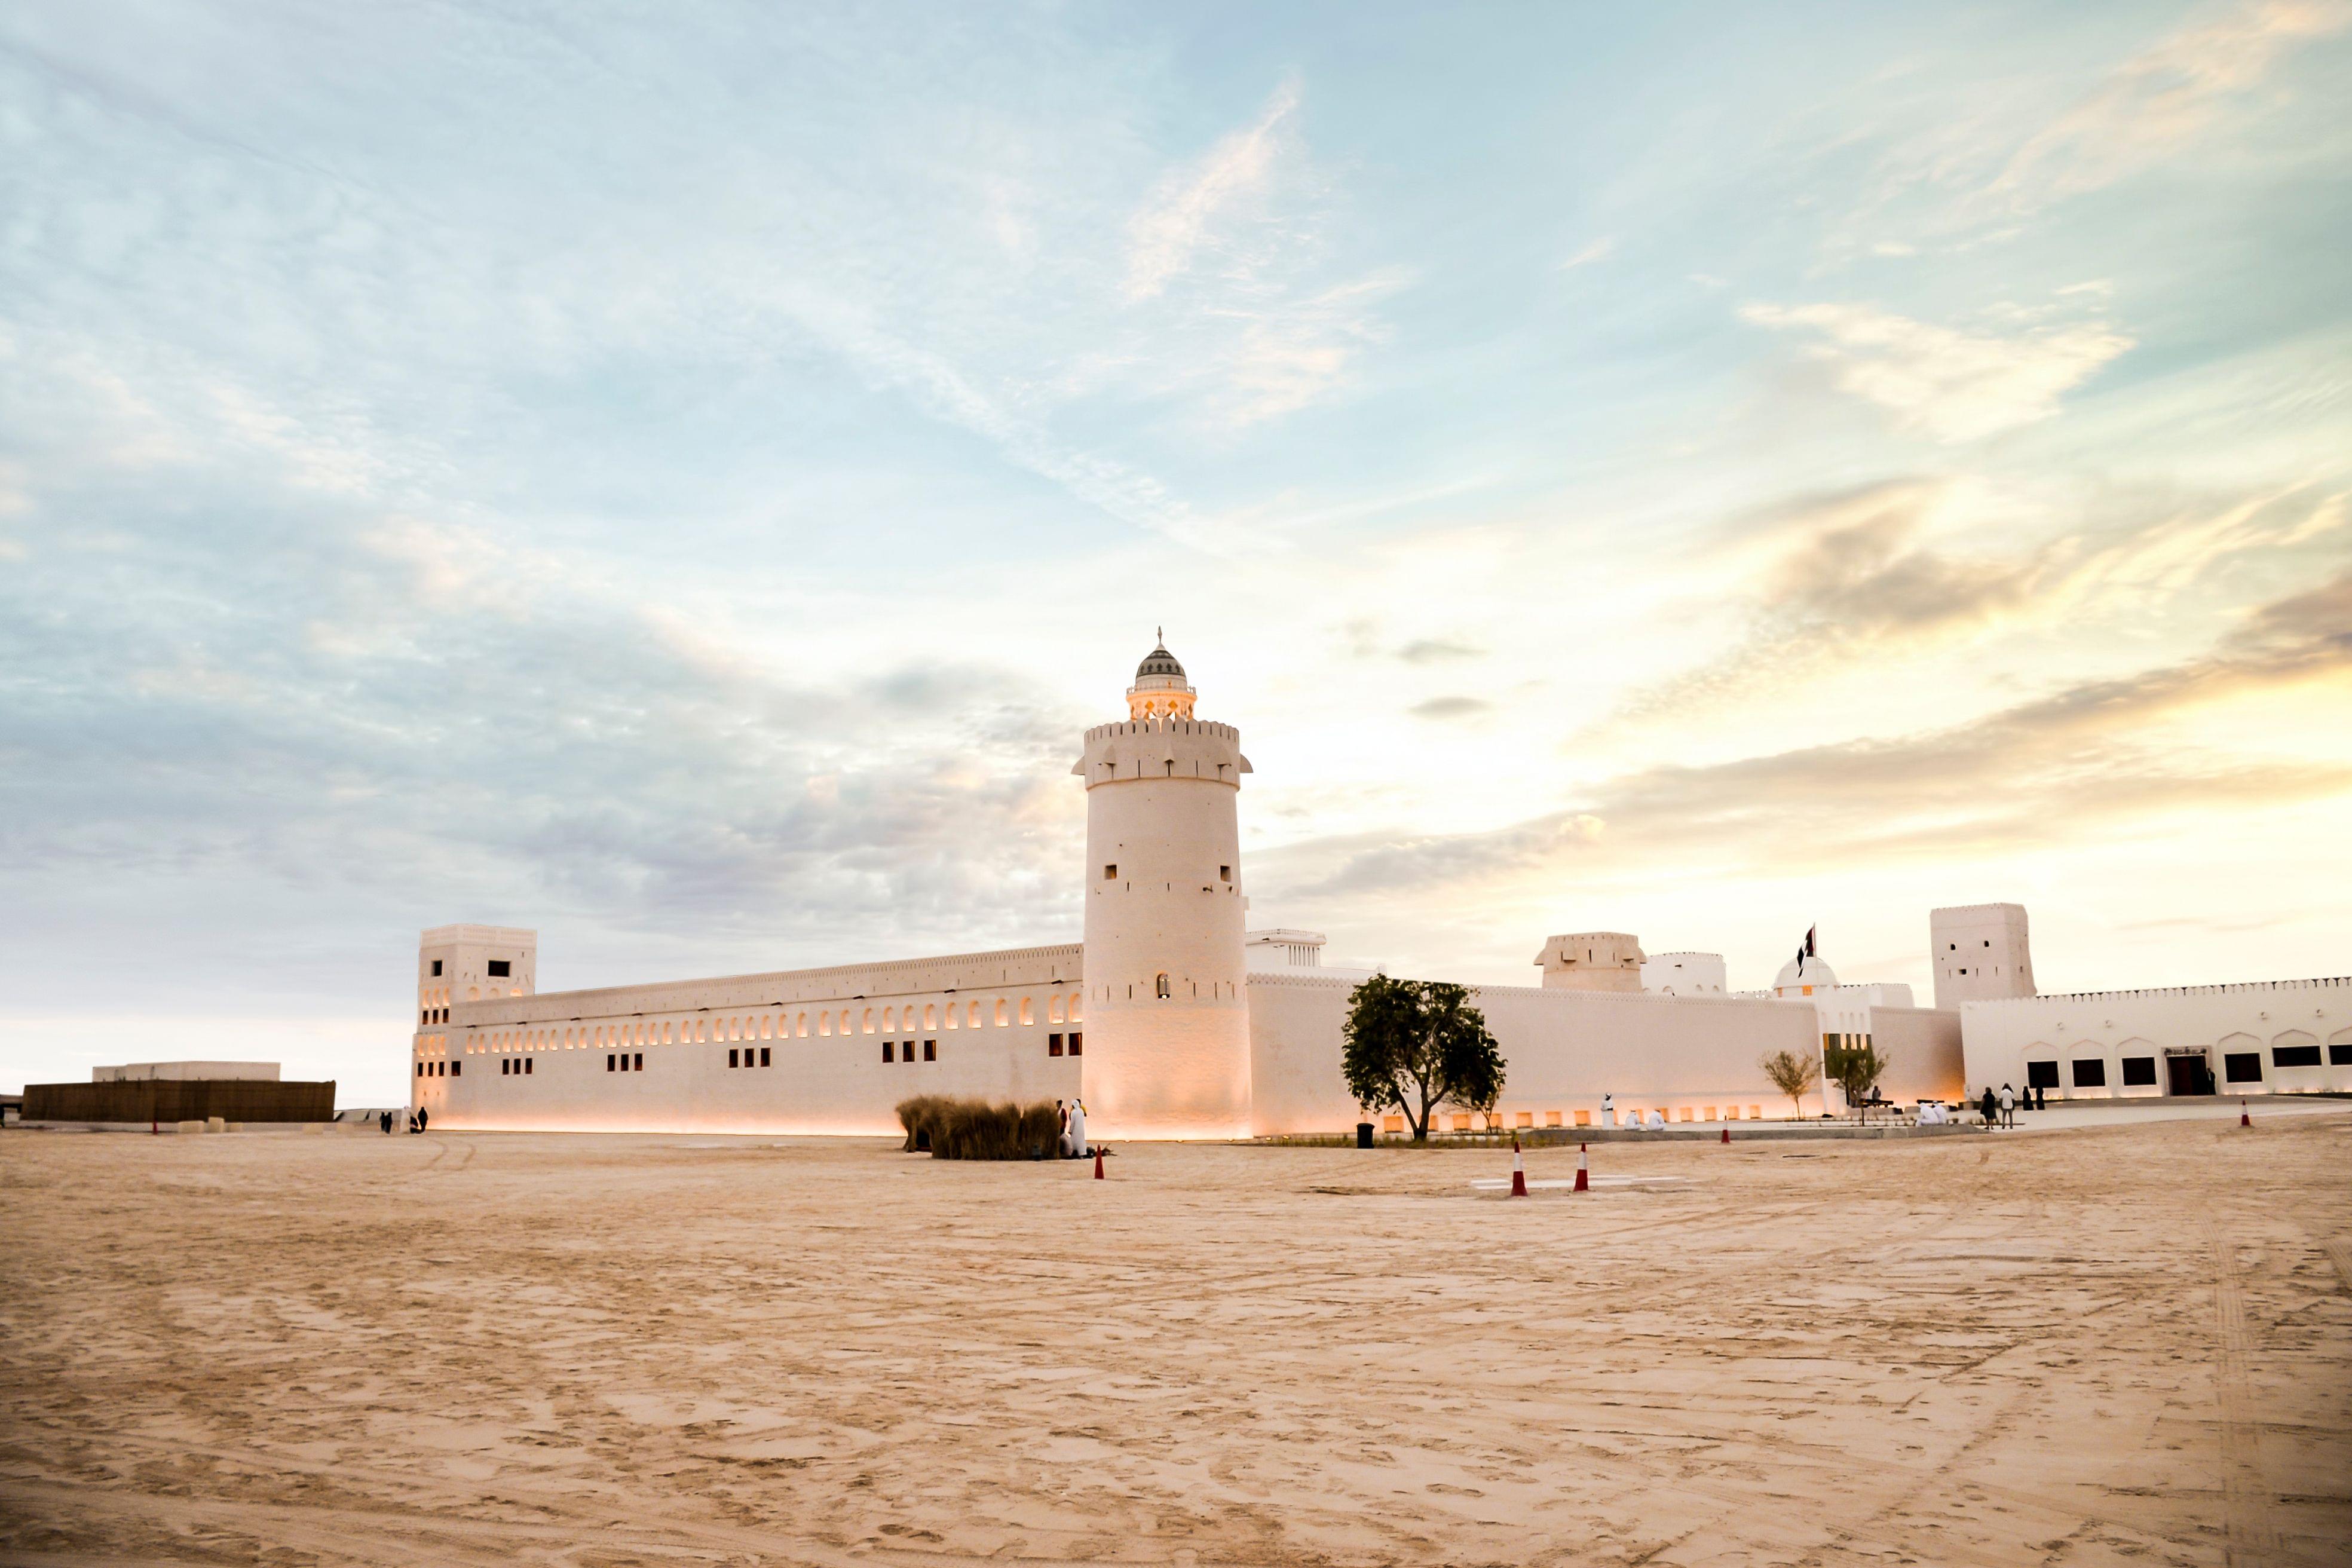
{"points": [[1451, 707], [1851, 579], [2159, 101], [1436, 650], [2086, 760], [1954, 385], [1597, 250], [1167, 234]]}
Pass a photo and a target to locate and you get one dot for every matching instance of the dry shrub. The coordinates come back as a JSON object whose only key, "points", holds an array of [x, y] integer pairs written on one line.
{"points": [[975, 1130]]}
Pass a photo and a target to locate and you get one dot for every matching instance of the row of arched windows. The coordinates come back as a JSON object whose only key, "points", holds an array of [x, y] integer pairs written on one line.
{"points": [[975, 1014]]}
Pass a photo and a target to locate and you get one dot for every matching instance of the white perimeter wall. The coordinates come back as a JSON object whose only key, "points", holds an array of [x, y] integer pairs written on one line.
{"points": [[2000, 1036], [1562, 1050], [821, 1077]]}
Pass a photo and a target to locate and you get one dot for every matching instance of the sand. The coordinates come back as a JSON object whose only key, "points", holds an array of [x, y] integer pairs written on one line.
{"points": [[2075, 1347]]}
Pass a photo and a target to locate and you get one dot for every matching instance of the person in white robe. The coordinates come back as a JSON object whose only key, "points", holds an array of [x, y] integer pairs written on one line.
{"points": [[1078, 1128], [1653, 1121]]}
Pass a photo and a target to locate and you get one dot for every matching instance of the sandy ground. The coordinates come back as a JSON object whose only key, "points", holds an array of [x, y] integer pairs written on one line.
{"points": [[2124, 1344]]}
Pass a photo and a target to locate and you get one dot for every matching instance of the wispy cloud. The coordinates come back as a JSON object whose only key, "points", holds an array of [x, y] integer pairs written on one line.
{"points": [[1952, 384], [1167, 235], [2090, 759], [2160, 99]]}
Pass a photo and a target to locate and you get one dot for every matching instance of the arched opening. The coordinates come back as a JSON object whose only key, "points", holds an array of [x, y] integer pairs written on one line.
{"points": [[1160, 986]]}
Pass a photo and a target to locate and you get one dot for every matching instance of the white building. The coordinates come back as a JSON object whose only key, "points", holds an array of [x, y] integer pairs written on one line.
{"points": [[1685, 975], [2276, 1036], [1170, 1019]]}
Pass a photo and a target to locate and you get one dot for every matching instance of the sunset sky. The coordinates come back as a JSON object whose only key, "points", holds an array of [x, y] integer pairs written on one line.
{"points": [[681, 478]]}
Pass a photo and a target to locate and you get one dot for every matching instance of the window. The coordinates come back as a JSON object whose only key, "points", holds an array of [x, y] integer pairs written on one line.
{"points": [[1160, 986], [501, 969], [1111, 873], [2091, 1073], [2042, 1075], [506, 1066], [2339, 1056], [1053, 1045], [1077, 1043], [930, 1050], [730, 1059], [1054, 1009], [889, 1047], [2294, 1056], [2243, 1067], [1026, 1016], [1002, 1017], [1225, 873], [2139, 1072], [456, 1068], [930, 1015], [1584, 1119], [437, 969], [420, 1069], [609, 1060], [763, 1054]]}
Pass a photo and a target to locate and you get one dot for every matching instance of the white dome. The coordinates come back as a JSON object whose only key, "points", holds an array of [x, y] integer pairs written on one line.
{"points": [[1817, 975]]}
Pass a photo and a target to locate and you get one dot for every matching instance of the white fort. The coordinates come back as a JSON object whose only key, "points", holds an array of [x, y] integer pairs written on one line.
{"points": [[1171, 1019]]}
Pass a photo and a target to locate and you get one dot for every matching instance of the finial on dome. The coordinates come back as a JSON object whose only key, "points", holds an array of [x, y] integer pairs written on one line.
{"points": [[1160, 691]]}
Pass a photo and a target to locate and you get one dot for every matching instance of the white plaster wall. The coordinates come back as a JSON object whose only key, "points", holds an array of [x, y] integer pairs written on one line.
{"points": [[1998, 1038], [821, 1079], [1563, 1050], [1924, 1043]]}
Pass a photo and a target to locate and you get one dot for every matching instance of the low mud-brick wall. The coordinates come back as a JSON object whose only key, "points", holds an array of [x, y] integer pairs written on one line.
{"points": [[173, 1100]]}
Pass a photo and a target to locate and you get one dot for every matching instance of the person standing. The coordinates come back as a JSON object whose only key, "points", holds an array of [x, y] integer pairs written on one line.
{"points": [[423, 1119], [385, 1119], [2008, 1106], [1988, 1108], [1062, 1146], [1607, 1111], [1078, 1126]]}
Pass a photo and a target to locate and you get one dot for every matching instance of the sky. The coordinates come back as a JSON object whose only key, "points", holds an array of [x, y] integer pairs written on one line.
{"points": [[680, 478]]}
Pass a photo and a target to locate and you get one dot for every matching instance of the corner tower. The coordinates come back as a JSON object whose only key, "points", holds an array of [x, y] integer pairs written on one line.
{"points": [[1168, 1051], [1980, 953]]}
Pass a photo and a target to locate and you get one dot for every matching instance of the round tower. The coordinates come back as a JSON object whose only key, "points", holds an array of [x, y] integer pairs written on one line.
{"points": [[1167, 1035]]}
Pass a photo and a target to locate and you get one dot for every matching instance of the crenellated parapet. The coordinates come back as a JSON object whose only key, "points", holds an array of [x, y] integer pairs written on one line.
{"points": [[1163, 748]]}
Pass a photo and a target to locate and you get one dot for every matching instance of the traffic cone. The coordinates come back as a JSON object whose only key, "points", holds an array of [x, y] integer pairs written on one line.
{"points": [[1518, 1172], [1726, 1134], [1582, 1185], [2243, 1120], [1099, 1175]]}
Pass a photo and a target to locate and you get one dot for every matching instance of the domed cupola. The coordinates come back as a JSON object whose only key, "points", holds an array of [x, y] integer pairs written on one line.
{"points": [[1160, 691]]}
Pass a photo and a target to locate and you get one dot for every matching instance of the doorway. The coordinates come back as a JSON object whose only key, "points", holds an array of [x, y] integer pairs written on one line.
{"points": [[2187, 1072]]}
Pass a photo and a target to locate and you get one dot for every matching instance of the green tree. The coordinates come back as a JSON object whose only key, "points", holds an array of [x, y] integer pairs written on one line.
{"points": [[1792, 1075], [1855, 1069], [1416, 1045]]}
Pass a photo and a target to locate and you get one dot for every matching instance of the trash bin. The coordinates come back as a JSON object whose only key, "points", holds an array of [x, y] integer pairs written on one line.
{"points": [[1364, 1134]]}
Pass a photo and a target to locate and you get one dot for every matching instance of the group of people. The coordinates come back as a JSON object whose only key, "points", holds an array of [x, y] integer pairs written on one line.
{"points": [[1073, 1145], [2000, 1109], [415, 1121]]}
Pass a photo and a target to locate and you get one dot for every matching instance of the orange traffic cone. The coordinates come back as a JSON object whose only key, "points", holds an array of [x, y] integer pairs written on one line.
{"points": [[1582, 1185], [1099, 1175], [1518, 1172], [2243, 1120], [1726, 1134]]}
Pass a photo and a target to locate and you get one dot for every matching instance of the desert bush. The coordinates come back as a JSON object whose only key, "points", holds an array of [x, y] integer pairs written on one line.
{"points": [[976, 1129]]}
